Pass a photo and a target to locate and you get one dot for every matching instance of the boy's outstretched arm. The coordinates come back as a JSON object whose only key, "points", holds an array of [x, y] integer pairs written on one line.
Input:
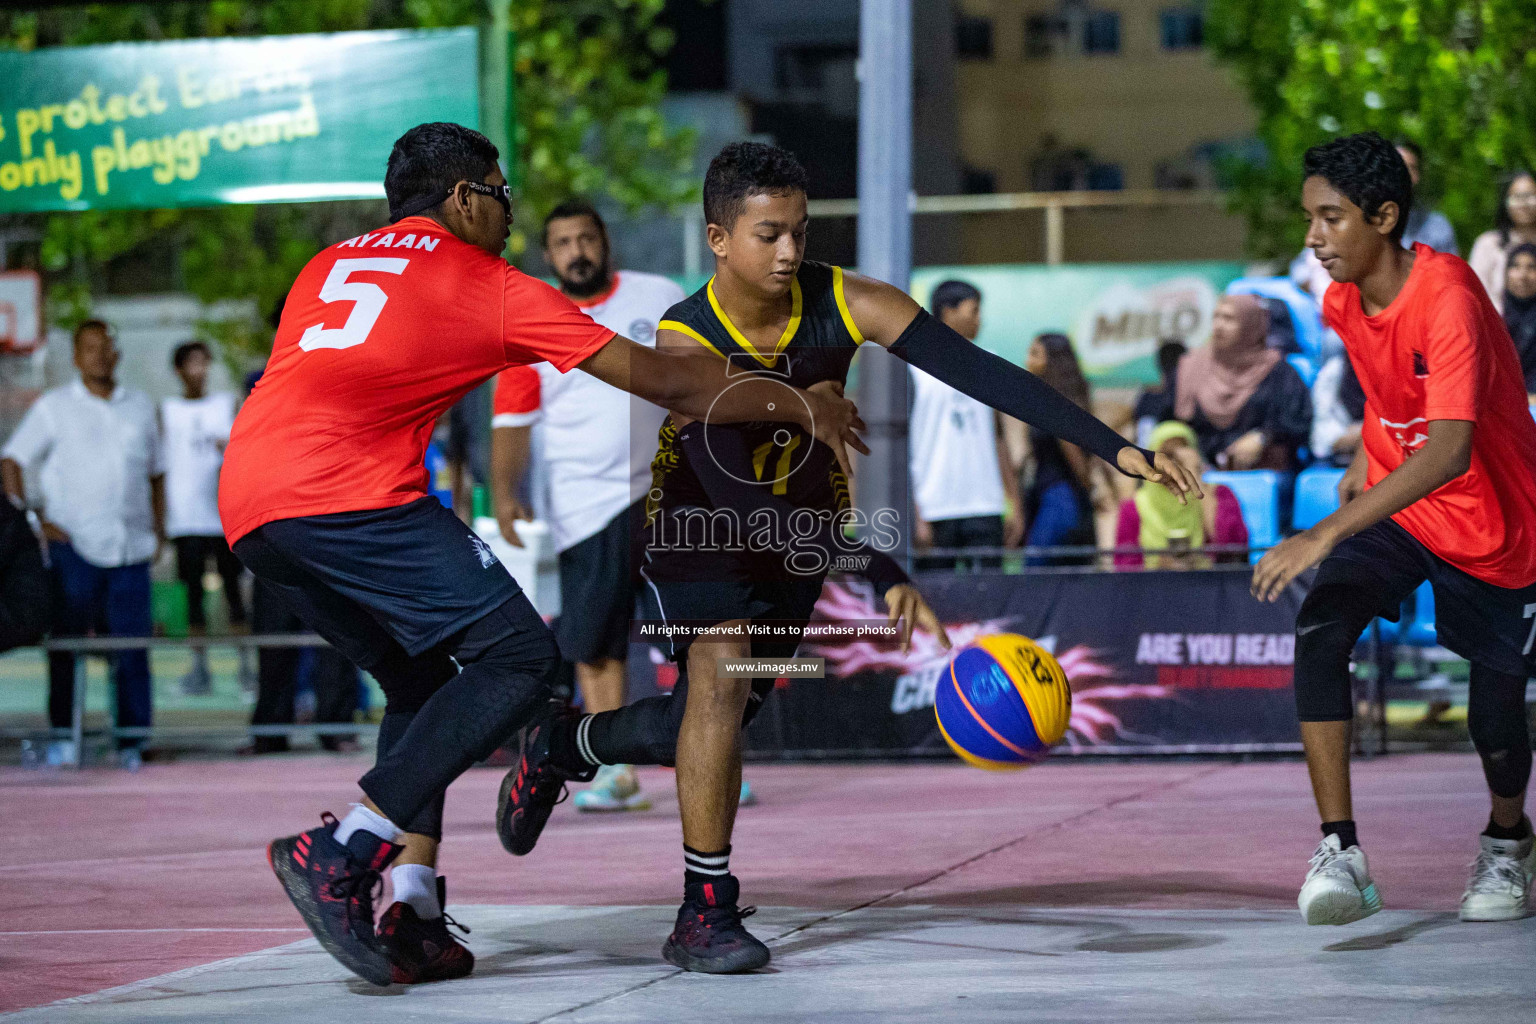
{"points": [[890, 318]]}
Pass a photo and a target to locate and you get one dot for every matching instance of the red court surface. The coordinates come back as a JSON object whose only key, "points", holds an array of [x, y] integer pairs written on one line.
{"points": [[112, 878]]}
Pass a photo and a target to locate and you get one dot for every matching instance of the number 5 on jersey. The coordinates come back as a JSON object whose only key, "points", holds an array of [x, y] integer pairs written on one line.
{"points": [[368, 299]]}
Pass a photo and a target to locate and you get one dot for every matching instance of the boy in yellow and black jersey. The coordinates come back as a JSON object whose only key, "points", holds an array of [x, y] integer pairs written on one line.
{"points": [[744, 518], [816, 347]]}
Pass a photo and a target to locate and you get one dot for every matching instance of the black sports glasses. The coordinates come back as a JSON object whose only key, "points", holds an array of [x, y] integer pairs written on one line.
{"points": [[501, 193]]}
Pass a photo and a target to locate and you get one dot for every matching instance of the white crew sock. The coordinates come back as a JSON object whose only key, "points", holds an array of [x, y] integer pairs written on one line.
{"points": [[416, 884], [360, 817]]}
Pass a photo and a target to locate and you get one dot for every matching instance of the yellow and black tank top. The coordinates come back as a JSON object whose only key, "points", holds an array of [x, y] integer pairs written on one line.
{"points": [[817, 345]]}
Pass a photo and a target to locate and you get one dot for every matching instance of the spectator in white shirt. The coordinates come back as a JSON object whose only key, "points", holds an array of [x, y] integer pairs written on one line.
{"points": [[194, 430], [1338, 412], [94, 450], [964, 490], [598, 443]]}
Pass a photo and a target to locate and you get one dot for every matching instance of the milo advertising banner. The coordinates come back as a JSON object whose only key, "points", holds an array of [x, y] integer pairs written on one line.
{"points": [[1159, 662], [1116, 314], [200, 122]]}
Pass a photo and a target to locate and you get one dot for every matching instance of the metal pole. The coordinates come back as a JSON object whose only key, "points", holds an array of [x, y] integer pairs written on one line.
{"points": [[1055, 234], [885, 248], [693, 245], [77, 713]]}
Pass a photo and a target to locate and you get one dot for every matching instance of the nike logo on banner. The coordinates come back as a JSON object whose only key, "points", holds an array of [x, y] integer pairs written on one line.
{"points": [[1304, 630]]}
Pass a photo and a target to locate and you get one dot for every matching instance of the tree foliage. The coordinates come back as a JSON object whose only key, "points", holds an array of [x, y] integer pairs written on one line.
{"points": [[588, 90], [1458, 77]]}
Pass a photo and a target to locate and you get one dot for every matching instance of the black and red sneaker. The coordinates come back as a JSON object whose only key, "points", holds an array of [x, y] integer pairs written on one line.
{"points": [[333, 887], [709, 936], [424, 950], [534, 786]]}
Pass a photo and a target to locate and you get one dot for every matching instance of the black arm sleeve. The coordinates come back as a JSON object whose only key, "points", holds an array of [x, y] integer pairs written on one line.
{"points": [[940, 352], [724, 469]]}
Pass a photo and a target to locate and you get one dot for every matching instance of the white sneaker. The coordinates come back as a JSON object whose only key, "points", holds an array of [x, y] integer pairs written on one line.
{"points": [[197, 682], [614, 788], [1500, 886], [62, 754], [1338, 888]]}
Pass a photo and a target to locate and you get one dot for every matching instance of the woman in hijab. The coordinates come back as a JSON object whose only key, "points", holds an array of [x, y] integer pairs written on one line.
{"points": [[1179, 532], [1249, 408], [1520, 310]]}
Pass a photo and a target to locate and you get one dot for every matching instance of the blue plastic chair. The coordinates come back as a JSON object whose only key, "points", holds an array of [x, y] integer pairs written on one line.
{"points": [[1421, 631], [1258, 494], [1304, 366], [1306, 316], [1317, 495], [1418, 631]]}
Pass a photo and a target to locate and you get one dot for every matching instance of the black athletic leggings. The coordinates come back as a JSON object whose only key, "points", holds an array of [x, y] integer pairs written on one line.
{"points": [[1332, 618], [439, 720], [645, 732]]}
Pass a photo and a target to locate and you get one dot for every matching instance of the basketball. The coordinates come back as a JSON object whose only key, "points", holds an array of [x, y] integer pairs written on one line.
{"points": [[1003, 702]]}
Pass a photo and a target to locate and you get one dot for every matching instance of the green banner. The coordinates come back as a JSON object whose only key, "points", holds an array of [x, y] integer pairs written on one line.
{"points": [[207, 121], [1116, 314]]}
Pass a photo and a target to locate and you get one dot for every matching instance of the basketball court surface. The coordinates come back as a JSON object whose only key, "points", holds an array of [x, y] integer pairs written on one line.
{"points": [[1076, 891]]}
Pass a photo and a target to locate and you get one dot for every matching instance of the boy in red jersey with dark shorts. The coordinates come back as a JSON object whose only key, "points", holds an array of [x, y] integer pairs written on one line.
{"points": [[324, 497], [1442, 489]]}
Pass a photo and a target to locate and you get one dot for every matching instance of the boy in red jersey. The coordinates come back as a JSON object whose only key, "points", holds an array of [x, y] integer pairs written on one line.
{"points": [[1442, 488], [323, 496]]}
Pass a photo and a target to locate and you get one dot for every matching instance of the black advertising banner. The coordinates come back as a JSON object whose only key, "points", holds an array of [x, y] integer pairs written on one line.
{"points": [[1160, 662]]}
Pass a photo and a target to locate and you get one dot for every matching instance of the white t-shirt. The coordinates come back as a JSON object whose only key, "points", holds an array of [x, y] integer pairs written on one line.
{"points": [[194, 432], [952, 443], [94, 458], [598, 441]]}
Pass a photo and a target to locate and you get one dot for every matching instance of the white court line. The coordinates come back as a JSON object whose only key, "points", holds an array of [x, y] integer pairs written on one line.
{"points": [[151, 931]]}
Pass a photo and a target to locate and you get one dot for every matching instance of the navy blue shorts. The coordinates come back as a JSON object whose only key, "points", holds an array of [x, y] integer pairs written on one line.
{"points": [[1492, 626], [414, 571], [599, 580], [696, 589]]}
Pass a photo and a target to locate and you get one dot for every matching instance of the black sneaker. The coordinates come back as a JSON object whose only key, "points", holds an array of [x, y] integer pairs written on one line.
{"points": [[709, 936], [333, 887], [423, 951], [533, 787]]}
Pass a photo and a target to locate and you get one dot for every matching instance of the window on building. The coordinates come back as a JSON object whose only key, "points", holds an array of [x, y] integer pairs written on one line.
{"points": [[827, 75], [1106, 177], [1042, 35], [1183, 28], [975, 182], [1101, 32], [973, 38]]}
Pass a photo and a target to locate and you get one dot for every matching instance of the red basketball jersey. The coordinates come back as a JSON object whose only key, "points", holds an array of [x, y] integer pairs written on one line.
{"points": [[380, 335], [1441, 352]]}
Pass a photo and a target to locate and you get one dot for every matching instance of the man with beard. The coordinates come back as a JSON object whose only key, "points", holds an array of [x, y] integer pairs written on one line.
{"points": [[597, 444]]}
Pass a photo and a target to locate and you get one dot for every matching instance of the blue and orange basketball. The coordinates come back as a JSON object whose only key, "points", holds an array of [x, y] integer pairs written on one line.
{"points": [[1003, 702]]}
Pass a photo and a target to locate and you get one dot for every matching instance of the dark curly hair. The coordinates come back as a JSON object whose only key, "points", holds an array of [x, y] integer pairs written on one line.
{"points": [[430, 159], [745, 169], [1368, 170]]}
